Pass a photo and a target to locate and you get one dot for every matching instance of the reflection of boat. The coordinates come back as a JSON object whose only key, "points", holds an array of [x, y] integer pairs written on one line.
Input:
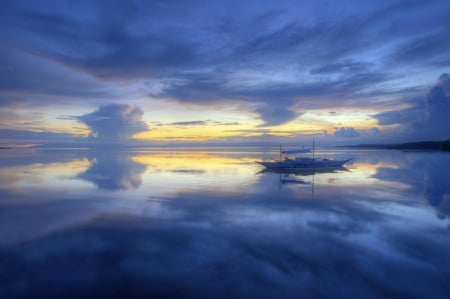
{"points": [[293, 181], [304, 171], [298, 176], [302, 163]]}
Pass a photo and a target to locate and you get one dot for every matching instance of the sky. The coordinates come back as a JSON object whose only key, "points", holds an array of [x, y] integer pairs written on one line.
{"points": [[224, 72]]}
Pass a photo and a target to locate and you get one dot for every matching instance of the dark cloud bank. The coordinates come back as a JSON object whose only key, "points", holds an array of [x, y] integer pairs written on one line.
{"points": [[215, 51], [428, 119], [277, 60]]}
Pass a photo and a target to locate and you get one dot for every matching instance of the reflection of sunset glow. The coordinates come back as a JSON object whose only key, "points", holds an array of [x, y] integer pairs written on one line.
{"points": [[359, 174], [172, 172], [360, 177], [41, 176], [176, 160]]}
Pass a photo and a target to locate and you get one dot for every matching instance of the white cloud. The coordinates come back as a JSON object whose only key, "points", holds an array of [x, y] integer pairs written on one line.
{"points": [[114, 123]]}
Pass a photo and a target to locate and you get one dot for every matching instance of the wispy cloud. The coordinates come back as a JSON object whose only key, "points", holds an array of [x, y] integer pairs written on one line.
{"points": [[189, 123]]}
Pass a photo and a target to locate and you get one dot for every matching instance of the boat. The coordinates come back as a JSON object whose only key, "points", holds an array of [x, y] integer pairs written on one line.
{"points": [[302, 162], [303, 172]]}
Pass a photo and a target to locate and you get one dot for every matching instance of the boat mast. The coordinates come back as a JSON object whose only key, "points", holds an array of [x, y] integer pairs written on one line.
{"points": [[280, 152], [313, 146]]}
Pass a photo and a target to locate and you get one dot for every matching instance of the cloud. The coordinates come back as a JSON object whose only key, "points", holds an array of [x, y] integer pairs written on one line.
{"points": [[444, 83], [350, 132], [25, 74], [114, 123], [270, 38], [207, 122], [346, 132], [403, 116], [431, 49], [275, 102], [263, 55], [437, 120], [346, 66], [428, 118], [276, 113], [190, 123]]}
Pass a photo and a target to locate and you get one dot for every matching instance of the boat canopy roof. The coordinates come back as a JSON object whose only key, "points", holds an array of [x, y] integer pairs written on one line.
{"points": [[297, 151]]}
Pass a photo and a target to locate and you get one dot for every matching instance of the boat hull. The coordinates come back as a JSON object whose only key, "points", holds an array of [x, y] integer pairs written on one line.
{"points": [[304, 164]]}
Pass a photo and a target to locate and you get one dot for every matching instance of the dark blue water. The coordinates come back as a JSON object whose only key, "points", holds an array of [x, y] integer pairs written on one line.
{"points": [[199, 223]]}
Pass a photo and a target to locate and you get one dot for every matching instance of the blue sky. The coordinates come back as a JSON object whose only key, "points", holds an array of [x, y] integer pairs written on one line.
{"points": [[171, 72]]}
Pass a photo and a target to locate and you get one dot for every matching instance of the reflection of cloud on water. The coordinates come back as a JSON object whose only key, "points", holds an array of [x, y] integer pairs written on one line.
{"points": [[425, 173], [257, 242], [25, 157], [389, 175], [217, 247], [360, 177], [39, 217], [437, 184], [114, 170]]}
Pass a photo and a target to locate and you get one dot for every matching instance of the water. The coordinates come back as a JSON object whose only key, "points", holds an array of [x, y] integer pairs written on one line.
{"points": [[208, 223]]}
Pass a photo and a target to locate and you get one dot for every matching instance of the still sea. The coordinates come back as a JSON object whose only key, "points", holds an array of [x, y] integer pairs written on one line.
{"points": [[211, 223]]}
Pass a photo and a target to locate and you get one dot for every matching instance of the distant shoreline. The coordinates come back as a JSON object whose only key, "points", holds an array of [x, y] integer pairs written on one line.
{"points": [[422, 145]]}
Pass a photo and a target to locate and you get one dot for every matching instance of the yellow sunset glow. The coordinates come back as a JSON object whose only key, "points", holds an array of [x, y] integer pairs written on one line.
{"points": [[312, 122], [169, 122]]}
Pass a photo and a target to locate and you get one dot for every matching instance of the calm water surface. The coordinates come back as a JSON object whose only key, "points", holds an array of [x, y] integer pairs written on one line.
{"points": [[209, 223]]}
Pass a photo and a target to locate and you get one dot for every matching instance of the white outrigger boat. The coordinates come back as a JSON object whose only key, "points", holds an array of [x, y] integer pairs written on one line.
{"points": [[301, 162]]}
